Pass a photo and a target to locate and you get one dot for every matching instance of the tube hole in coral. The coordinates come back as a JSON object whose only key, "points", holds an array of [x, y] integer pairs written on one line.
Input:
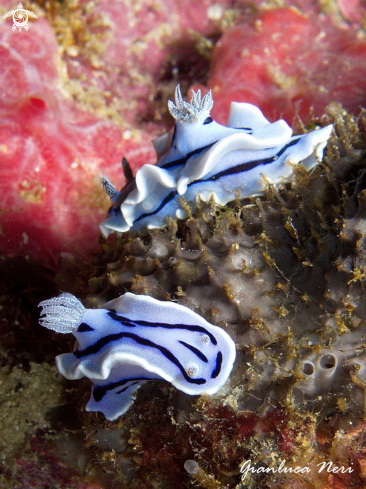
{"points": [[191, 467], [328, 361], [308, 368], [173, 261]]}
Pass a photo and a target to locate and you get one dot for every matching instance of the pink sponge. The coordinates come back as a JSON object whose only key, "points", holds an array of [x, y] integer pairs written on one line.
{"points": [[51, 153], [287, 63]]}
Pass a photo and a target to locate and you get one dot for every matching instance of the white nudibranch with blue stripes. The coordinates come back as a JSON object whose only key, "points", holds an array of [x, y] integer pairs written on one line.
{"points": [[133, 339], [203, 158]]}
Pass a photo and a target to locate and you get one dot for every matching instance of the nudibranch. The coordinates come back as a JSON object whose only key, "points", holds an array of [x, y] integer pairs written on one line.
{"points": [[203, 158], [133, 339]]}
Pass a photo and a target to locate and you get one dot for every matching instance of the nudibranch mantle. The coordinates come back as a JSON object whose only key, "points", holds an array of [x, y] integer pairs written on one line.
{"points": [[202, 158], [133, 339]]}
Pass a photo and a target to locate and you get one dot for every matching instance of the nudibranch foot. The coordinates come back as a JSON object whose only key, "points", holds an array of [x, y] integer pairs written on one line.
{"points": [[203, 158], [133, 339]]}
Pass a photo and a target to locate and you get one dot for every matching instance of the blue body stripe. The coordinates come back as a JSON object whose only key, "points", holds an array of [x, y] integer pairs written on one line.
{"points": [[83, 328], [244, 167], [132, 323], [183, 161], [230, 171], [166, 201], [99, 391], [195, 350], [96, 347], [217, 369]]}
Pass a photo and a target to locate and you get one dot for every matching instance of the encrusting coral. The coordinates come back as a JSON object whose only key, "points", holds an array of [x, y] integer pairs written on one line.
{"points": [[283, 274]]}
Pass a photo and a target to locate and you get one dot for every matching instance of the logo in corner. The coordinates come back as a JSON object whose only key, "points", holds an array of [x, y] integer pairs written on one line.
{"points": [[20, 17]]}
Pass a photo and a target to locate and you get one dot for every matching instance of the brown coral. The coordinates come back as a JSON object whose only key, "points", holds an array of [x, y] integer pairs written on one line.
{"points": [[284, 275]]}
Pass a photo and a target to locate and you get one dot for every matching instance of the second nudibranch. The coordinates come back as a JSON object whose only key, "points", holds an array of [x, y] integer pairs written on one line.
{"points": [[202, 158], [133, 339]]}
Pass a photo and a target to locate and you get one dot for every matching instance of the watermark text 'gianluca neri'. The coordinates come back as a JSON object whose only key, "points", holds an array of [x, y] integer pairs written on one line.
{"points": [[330, 467]]}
